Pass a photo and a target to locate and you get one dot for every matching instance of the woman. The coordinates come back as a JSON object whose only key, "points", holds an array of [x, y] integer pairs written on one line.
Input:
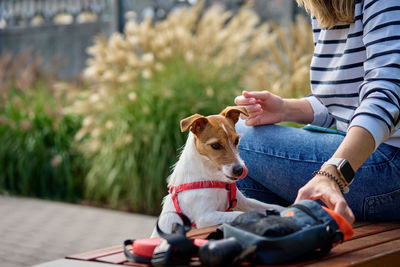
{"points": [[355, 81]]}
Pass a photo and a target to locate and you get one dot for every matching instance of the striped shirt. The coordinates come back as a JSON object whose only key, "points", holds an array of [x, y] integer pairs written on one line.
{"points": [[355, 72]]}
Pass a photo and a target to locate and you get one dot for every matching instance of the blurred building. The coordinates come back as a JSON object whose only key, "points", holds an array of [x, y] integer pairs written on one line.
{"points": [[59, 31]]}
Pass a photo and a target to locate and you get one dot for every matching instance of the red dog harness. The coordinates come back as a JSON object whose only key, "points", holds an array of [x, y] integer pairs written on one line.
{"points": [[230, 187]]}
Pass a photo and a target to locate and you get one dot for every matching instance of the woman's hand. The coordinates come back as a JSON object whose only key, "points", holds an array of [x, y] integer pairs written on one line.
{"points": [[266, 108], [262, 106], [322, 187], [356, 147]]}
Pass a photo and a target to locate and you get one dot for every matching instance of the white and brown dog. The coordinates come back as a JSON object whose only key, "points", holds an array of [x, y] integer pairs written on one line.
{"points": [[202, 185]]}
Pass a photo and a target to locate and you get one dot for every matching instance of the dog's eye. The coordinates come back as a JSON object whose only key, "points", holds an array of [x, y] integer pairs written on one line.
{"points": [[216, 146], [237, 141]]}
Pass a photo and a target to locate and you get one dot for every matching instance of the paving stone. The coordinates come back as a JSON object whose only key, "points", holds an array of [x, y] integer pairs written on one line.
{"points": [[35, 231]]}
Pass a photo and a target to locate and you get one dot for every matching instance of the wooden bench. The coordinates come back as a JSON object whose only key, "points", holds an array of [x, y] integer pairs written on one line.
{"points": [[373, 244]]}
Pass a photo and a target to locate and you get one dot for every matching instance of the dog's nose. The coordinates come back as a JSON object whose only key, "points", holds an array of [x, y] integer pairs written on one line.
{"points": [[237, 170]]}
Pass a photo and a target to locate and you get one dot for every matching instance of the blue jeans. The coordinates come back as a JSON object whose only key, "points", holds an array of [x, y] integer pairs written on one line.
{"points": [[282, 159]]}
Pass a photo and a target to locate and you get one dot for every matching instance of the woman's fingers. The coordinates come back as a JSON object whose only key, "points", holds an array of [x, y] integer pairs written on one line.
{"points": [[349, 215], [253, 109], [302, 194], [307, 192], [244, 101], [260, 95], [262, 106], [330, 196], [253, 121], [335, 201], [343, 209], [249, 98], [340, 207], [242, 116]]}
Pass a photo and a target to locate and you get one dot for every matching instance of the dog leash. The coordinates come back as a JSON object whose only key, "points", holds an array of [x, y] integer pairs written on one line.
{"points": [[229, 187]]}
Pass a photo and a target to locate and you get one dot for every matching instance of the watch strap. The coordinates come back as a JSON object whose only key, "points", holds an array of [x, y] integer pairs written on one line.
{"points": [[344, 169], [334, 161]]}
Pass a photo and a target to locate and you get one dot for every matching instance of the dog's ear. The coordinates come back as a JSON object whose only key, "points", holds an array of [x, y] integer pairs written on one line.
{"points": [[196, 123], [233, 113]]}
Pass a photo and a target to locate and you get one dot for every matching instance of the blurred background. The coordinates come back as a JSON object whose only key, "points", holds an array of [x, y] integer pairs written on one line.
{"points": [[92, 91]]}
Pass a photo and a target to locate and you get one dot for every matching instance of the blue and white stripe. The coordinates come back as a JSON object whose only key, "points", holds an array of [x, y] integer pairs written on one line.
{"points": [[355, 72]]}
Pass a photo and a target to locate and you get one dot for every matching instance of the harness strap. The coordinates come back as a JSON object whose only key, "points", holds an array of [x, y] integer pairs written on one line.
{"points": [[229, 187]]}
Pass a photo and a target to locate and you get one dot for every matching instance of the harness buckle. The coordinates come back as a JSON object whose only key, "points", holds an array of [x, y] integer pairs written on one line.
{"points": [[232, 203], [228, 187]]}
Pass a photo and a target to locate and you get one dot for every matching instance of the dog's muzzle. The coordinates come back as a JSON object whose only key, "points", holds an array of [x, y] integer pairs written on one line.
{"points": [[240, 171]]}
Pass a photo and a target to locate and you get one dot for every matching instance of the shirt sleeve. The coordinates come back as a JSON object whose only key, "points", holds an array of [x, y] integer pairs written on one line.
{"points": [[321, 115], [378, 112]]}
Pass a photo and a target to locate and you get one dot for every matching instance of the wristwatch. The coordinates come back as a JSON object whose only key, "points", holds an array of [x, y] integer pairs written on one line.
{"points": [[344, 169]]}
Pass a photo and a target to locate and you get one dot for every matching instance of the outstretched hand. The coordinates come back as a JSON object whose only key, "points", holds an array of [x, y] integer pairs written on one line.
{"points": [[323, 188], [262, 106]]}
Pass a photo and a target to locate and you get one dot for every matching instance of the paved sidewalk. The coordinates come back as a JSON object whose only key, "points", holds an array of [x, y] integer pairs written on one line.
{"points": [[35, 231]]}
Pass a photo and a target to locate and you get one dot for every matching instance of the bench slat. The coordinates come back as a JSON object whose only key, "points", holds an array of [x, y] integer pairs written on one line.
{"points": [[367, 241], [373, 244], [91, 255], [351, 246], [386, 254], [135, 264], [371, 229], [117, 258], [359, 224]]}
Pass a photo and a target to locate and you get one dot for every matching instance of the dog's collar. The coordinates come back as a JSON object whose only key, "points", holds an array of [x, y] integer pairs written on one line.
{"points": [[230, 187]]}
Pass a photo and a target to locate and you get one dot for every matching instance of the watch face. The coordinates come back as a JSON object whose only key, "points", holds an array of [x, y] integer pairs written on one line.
{"points": [[347, 171]]}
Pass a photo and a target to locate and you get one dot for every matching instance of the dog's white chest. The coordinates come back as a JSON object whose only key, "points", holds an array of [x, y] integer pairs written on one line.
{"points": [[196, 202]]}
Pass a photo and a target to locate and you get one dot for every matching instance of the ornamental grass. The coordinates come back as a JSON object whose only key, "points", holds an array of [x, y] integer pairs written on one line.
{"points": [[143, 82]]}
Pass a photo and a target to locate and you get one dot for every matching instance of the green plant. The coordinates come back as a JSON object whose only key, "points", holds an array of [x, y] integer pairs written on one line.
{"points": [[36, 157], [132, 143], [142, 83]]}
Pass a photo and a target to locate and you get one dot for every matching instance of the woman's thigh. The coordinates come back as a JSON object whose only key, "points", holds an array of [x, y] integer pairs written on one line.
{"points": [[376, 187], [282, 159]]}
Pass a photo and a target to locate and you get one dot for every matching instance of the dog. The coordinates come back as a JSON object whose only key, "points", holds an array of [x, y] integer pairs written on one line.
{"points": [[202, 184]]}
